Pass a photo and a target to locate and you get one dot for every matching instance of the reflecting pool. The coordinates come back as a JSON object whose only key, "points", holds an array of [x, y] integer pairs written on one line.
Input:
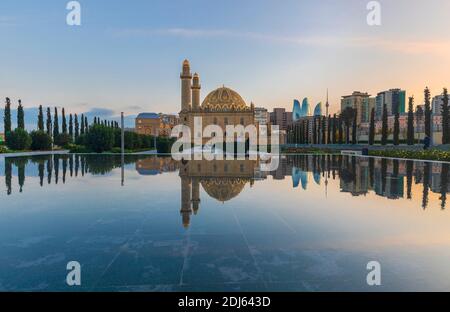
{"points": [[161, 225]]}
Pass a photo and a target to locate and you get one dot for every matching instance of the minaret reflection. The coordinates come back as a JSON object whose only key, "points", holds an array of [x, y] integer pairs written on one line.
{"points": [[222, 180]]}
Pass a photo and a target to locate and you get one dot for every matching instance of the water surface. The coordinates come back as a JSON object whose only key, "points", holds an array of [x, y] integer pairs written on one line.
{"points": [[312, 225]]}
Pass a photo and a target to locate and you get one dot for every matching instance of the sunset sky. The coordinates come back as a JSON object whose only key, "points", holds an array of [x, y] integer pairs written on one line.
{"points": [[126, 55]]}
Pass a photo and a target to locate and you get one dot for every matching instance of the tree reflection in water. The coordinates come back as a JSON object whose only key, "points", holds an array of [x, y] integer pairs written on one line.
{"points": [[356, 175]]}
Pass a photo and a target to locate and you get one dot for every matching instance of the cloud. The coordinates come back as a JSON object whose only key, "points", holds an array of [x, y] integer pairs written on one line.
{"points": [[400, 45]]}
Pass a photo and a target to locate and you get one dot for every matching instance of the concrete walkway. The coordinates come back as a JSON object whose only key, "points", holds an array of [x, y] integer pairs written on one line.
{"points": [[38, 153]]}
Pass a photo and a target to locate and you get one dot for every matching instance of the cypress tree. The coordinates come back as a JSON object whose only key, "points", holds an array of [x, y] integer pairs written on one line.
{"points": [[64, 121], [445, 119], [49, 121], [55, 124], [355, 128], [7, 116], [40, 119], [329, 129], [20, 116], [71, 126], [82, 125], [324, 129], [410, 130], [333, 136], [384, 127], [397, 129], [427, 112], [77, 127], [372, 127], [86, 125], [341, 131]]}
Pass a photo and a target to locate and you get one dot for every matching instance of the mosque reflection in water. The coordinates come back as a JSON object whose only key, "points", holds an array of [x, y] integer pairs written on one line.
{"points": [[225, 179]]}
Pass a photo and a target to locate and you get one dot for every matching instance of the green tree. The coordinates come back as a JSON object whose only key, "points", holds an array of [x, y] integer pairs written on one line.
{"points": [[354, 127], [40, 119], [347, 116], [40, 141], [71, 126], [427, 112], [86, 125], [384, 126], [396, 128], [333, 135], [18, 139], [341, 131], [372, 127], [55, 124], [20, 116], [100, 139], [49, 121], [410, 128], [77, 128], [445, 118], [7, 117], [82, 125], [329, 121], [64, 121]]}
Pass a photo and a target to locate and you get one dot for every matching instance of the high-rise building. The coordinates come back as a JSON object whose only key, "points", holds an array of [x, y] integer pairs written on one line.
{"points": [[296, 111], [436, 104], [262, 116], [355, 101], [280, 117], [395, 101], [366, 108], [318, 109], [305, 108]]}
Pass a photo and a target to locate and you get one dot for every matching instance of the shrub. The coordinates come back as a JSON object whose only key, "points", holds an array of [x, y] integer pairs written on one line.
{"points": [[3, 150], [74, 149], [18, 139], [63, 139], [81, 140], [164, 145], [40, 141], [99, 138], [132, 140]]}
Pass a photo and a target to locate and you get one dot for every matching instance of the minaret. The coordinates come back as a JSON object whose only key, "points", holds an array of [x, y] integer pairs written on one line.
{"points": [[186, 78], [196, 91]]}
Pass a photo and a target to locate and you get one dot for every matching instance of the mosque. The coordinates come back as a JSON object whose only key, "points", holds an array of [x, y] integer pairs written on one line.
{"points": [[221, 107]]}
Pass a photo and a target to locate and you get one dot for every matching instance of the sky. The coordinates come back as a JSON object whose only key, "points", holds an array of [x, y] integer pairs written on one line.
{"points": [[127, 55]]}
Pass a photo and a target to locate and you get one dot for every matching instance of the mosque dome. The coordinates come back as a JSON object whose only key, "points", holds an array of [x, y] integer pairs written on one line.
{"points": [[224, 189], [224, 99]]}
